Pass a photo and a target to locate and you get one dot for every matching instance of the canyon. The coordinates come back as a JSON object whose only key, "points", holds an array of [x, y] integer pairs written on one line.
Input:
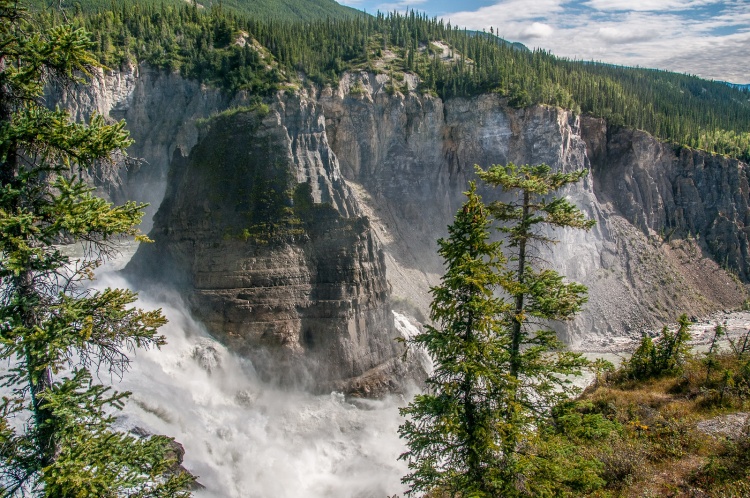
{"points": [[362, 181]]}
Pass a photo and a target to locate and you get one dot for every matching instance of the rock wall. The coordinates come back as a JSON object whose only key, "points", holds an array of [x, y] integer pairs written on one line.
{"points": [[674, 190], [363, 185], [413, 156], [160, 109], [306, 300]]}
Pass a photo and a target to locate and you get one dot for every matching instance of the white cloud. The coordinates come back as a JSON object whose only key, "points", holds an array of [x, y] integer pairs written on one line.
{"points": [[714, 58], [507, 11], [616, 34], [646, 33], [647, 5], [538, 30], [516, 20]]}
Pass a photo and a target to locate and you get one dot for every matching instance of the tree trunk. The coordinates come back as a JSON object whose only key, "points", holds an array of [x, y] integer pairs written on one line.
{"points": [[473, 460], [515, 353], [40, 379]]}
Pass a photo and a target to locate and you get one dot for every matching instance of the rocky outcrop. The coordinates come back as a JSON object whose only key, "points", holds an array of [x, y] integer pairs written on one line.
{"points": [[160, 109], [264, 237], [414, 154], [293, 230], [674, 190]]}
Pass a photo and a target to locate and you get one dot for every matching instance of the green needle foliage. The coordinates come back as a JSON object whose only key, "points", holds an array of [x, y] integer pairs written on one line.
{"points": [[56, 438], [539, 295], [288, 10], [498, 371], [665, 357], [537, 364], [454, 430]]}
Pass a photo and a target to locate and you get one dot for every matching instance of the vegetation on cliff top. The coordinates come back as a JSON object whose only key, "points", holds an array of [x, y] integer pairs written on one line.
{"points": [[262, 55], [287, 10]]}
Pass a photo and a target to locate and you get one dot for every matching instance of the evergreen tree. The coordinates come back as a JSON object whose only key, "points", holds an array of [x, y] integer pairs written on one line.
{"points": [[539, 294], [498, 371], [207, 45], [454, 431], [54, 331], [538, 368], [665, 357]]}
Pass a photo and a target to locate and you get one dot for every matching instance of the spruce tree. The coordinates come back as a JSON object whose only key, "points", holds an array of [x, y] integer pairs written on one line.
{"points": [[538, 365], [56, 438], [454, 430], [665, 357], [499, 369]]}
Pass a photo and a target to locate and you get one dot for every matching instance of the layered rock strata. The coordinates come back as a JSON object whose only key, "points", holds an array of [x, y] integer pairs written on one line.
{"points": [[414, 154], [306, 296], [674, 190], [264, 237]]}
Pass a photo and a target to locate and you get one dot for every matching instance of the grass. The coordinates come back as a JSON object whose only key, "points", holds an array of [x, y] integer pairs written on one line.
{"points": [[260, 108], [649, 443]]}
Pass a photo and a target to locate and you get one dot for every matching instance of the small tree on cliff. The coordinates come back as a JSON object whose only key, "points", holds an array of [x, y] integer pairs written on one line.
{"points": [[53, 330], [498, 371]]}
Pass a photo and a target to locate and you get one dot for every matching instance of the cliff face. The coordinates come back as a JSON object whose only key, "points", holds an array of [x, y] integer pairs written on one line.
{"points": [[413, 156], [294, 230], [262, 234], [160, 109], [659, 187]]}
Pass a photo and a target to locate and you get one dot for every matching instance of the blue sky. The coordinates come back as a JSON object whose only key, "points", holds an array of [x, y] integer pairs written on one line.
{"points": [[709, 38]]}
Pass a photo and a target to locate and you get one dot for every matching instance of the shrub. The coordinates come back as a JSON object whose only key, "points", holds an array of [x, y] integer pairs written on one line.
{"points": [[665, 357], [357, 89]]}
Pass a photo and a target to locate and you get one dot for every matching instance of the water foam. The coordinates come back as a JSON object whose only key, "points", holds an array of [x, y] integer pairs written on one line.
{"points": [[246, 439]]}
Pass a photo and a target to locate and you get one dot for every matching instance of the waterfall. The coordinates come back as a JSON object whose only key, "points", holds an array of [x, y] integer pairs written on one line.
{"points": [[244, 438]]}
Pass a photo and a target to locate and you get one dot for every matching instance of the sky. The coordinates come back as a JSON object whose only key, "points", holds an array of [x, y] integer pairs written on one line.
{"points": [[707, 38]]}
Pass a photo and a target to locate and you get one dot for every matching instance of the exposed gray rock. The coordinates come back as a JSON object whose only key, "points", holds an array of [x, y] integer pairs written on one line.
{"points": [[384, 175], [160, 109], [309, 305], [413, 155], [674, 190], [731, 426]]}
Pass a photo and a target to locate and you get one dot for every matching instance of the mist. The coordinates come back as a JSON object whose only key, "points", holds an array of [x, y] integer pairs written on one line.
{"points": [[244, 438]]}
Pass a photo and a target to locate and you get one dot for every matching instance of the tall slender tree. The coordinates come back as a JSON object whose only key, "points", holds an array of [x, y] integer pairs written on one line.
{"points": [[454, 430], [499, 369], [538, 365], [54, 330], [540, 295]]}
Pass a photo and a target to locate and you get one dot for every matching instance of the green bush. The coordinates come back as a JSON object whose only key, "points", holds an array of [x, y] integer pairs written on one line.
{"points": [[664, 357], [357, 89]]}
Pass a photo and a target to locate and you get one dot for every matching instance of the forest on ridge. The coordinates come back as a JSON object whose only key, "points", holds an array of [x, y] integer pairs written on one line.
{"points": [[262, 55]]}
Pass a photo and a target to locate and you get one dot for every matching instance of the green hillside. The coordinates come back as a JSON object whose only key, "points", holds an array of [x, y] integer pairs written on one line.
{"points": [[288, 10], [261, 55]]}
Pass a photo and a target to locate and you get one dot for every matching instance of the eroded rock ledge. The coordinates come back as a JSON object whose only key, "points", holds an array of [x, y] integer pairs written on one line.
{"points": [[263, 236], [366, 183]]}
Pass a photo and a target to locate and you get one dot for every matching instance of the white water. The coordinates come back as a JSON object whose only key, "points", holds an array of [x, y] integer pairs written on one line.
{"points": [[246, 439]]}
